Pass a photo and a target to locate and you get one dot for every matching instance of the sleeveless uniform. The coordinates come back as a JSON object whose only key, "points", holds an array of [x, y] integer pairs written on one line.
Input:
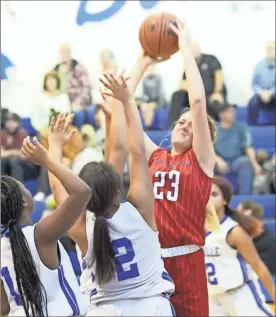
{"points": [[64, 297], [141, 286], [181, 191], [232, 284]]}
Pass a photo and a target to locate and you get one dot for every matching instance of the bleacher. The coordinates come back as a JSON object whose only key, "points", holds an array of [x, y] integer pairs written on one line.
{"points": [[263, 138]]}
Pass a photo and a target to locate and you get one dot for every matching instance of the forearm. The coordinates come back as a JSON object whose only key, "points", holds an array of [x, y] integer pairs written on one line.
{"points": [[218, 81], [117, 127], [251, 154], [194, 81], [134, 128], [57, 188], [107, 138], [266, 279], [136, 74], [71, 182]]}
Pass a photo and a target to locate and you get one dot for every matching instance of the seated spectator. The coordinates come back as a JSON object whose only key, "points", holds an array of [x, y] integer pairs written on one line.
{"points": [[99, 127], [262, 182], [264, 242], [270, 170], [12, 161], [90, 151], [70, 149], [74, 79], [234, 150], [152, 96], [263, 85], [212, 77], [51, 98], [108, 61]]}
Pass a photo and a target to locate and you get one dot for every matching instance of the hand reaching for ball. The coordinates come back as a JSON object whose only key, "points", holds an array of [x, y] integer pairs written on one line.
{"points": [[117, 86], [182, 31]]}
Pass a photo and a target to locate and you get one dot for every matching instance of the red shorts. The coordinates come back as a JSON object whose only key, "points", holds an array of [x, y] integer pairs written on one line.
{"points": [[189, 275]]}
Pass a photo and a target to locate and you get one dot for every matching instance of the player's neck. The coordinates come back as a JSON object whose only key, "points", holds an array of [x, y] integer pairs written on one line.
{"points": [[175, 150]]}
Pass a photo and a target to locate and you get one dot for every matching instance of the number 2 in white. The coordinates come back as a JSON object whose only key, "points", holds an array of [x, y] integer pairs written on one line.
{"points": [[172, 195]]}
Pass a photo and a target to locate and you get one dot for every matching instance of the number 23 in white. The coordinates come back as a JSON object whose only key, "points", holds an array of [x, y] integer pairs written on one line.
{"points": [[158, 186]]}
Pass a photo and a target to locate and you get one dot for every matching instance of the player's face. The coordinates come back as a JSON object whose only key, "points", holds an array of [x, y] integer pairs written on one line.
{"points": [[27, 198], [182, 135], [51, 83], [217, 198]]}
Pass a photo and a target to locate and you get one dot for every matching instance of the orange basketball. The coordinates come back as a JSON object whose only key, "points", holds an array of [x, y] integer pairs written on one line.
{"points": [[156, 37]]}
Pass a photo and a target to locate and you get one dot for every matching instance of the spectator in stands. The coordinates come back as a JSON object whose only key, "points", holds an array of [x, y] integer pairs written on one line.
{"points": [[108, 61], [263, 85], [264, 243], [99, 126], [90, 151], [74, 79], [152, 96], [12, 161], [51, 98], [71, 148], [212, 76], [234, 150]]}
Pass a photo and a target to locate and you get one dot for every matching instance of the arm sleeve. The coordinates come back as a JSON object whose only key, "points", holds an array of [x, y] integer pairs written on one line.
{"points": [[246, 138]]}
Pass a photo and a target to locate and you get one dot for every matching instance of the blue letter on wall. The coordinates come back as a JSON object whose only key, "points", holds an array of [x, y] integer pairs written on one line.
{"points": [[83, 16]]}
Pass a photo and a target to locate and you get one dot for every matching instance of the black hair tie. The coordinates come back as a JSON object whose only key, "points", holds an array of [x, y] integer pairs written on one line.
{"points": [[11, 223]]}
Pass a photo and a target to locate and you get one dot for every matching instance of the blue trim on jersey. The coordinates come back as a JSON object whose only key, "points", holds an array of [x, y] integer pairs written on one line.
{"points": [[243, 268], [257, 298], [68, 292], [93, 292], [6, 275], [173, 310], [166, 277], [84, 265], [221, 222]]}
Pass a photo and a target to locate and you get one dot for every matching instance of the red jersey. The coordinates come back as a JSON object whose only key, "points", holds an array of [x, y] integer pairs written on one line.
{"points": [[181, 192]]}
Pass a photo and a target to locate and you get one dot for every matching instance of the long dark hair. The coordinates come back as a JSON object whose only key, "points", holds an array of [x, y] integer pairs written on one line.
{"points": [[250, 224], [33, 294], [106, 186]]}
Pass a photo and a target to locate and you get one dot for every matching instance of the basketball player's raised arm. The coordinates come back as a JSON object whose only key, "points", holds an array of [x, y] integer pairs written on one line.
{"points": [[137, 72], [49, 229], [118, 146], [202, 142], [239, 239], [140, 192]]}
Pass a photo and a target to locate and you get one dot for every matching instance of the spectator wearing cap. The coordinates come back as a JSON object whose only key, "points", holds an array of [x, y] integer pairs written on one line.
{"points": [[264, 242], [12, 161], [263, 85], [234, 151]]}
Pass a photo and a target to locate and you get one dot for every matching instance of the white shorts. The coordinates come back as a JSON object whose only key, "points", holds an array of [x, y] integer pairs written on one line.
{"points": [[247, 300], [150, 306]]}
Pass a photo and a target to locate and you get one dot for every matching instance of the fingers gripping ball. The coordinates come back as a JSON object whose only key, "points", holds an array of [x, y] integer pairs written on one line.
{"points": [[156, 37]]}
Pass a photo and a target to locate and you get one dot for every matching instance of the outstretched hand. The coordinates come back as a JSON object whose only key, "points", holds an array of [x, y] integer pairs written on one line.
{"points": [[117, 87], [34, 152], [59, 129], [182, 31]]}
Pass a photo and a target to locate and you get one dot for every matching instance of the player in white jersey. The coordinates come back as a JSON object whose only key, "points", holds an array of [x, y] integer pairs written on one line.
{"points": [[231, 260], [124, 273], [37, 278]]}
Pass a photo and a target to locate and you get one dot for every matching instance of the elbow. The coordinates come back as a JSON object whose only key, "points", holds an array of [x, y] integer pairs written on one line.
{"points": [[86, 192]]}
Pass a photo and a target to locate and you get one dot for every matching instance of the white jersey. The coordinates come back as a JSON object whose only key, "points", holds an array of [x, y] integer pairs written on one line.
{"points": [[140, 269], [64, 297], [225, 267]]}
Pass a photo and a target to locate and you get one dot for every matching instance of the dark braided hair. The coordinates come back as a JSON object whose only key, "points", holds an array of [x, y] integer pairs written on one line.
{"points": [[33, 294]]}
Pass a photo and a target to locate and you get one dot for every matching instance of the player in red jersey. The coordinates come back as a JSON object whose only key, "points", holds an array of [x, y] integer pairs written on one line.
{"points": [[182, 181]]}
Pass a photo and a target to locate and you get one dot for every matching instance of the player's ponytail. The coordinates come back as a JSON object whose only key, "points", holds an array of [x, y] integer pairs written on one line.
{"points": [[252, 225], [106, 187], [103, 253], [32, 293]]}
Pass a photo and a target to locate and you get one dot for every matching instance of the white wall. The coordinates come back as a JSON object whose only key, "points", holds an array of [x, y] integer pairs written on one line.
{"points": [[31, 41]]}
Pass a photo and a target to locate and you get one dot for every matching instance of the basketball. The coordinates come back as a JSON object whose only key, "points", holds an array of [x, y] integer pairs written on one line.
{"points": [[156, 37]]}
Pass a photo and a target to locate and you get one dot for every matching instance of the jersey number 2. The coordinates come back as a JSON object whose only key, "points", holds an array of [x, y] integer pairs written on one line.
{"points": [[171, 195], [121, 259], [211, 273]]}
